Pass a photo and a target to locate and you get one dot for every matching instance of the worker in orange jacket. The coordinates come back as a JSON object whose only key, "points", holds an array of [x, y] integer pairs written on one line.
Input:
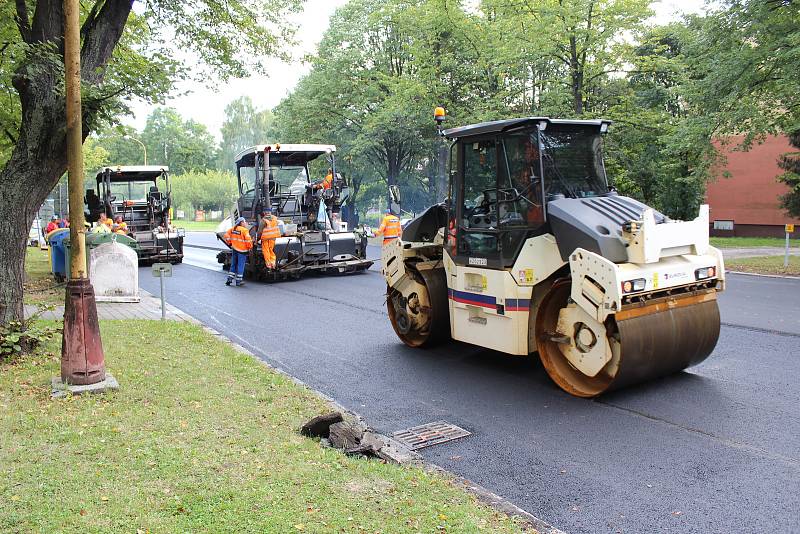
{"points": [[238, 238], [270, 232], [326, 182], [120, 226], [390, 227]]}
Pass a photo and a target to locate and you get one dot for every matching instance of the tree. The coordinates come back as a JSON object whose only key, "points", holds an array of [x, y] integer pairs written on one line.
{"points": [[244, 126], [791, 164], [564, 49], [206, 190], [122, 55], [182, 145]]}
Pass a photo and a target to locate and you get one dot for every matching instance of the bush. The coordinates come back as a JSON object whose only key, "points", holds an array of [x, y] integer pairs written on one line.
{"points": [[23, 337]]}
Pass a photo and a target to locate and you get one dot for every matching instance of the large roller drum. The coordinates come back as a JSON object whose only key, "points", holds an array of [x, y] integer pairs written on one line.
{"points": [[647, 341], [422, 316]]}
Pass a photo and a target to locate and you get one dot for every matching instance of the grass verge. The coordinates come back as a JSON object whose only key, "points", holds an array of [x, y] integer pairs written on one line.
{"points": [[765, 265], [748, 242], [195, 226], [40, 287], [199, 438]]}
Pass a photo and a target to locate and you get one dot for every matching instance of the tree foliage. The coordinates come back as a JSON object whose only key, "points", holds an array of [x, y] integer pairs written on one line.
{"points": [[206, 190], [123, 55], [244, 126]]}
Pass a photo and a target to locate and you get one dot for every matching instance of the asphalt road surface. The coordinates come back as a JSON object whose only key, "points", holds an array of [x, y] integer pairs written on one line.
{"points": [[713, 449]]}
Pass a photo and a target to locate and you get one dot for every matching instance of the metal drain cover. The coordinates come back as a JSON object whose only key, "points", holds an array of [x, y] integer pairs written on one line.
{"points": [[429, 434]]}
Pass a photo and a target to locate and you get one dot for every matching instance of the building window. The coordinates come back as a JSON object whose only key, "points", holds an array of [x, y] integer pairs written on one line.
{"points": [[723, 225]]}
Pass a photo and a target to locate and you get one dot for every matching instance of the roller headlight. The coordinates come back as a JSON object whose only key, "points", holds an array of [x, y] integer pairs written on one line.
{"points": [[630, 286], [705, 273]]}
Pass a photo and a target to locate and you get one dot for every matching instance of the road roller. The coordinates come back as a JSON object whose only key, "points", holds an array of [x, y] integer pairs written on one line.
{"points": [[533, 252]]}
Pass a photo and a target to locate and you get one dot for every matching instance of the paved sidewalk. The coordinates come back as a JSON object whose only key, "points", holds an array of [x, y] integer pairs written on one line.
{"points": [[752, 252], [149, 307]]}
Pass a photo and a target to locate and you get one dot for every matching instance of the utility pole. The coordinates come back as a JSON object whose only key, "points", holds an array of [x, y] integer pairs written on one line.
{"points": [[82, 357]]}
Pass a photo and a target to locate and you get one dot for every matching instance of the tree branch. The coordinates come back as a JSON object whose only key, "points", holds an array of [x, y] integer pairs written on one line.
{"points": [[101, 36]]}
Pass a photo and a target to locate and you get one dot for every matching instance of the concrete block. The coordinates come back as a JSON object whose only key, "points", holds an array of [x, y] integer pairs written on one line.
{"points": [[60, 389]]}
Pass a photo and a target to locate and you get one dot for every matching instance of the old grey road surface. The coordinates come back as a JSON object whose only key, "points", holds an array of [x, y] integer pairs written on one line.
{"points": [[714, 449]]}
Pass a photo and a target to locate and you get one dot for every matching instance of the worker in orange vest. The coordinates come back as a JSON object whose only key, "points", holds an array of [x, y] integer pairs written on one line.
{"points": [[326, 182], [390, 227], [238, 238], [120, 226], [271, 231]]}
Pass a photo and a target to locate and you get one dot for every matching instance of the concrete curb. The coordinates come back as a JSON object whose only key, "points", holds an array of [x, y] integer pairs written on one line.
{"points": [[784, 276], [404, 456]]}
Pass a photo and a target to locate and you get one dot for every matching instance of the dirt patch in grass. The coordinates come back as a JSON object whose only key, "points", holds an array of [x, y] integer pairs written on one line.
{"points": [[199, 438], [765, 265]]}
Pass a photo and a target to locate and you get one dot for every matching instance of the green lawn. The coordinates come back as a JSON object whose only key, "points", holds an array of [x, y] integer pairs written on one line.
{"points": [[200, 438], [194, 226], [40, 287], [748, 242], [764, 265]]}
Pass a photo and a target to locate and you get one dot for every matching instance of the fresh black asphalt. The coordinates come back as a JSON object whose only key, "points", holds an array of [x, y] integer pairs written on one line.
{"points": [[713, 449]]}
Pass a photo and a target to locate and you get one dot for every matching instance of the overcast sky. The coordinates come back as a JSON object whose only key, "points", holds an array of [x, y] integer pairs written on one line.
{"points": [[207, 106]]}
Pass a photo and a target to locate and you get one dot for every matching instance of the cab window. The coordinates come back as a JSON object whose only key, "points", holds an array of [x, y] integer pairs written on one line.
{"points": [[479, 199]]}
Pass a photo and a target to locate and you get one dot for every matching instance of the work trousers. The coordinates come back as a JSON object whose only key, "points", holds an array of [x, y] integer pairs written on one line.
{"points": [[236, 272], [268, 250]]}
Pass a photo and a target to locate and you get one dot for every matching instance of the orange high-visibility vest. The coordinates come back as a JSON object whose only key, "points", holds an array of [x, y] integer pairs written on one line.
{"points": [[271, 229], [327, 182], [239, 238], [390, 228]]}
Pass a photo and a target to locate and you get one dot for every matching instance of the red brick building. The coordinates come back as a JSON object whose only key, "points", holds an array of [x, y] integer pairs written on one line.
{"points": [[746, 204]]}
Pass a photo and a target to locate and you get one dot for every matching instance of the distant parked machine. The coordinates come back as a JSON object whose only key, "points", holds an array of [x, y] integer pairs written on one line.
{"points": [[313, 237], [142, 196]]}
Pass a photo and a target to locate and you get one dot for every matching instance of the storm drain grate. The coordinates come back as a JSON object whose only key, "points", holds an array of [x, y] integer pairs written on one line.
{"points": [[429, 434]]}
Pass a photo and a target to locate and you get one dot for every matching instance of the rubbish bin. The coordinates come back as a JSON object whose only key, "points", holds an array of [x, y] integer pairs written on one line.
{"points": [[57, 240], [95, 240]]}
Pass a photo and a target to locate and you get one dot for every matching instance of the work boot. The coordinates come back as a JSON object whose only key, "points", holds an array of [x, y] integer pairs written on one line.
{"points": [[228, 282]]}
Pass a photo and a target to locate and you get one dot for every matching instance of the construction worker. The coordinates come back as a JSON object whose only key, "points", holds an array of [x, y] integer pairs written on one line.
{"points": [[326, 182], [120, 226], [52, 225], [103, 225], [270, 232], [238, 238], [390, 227]]}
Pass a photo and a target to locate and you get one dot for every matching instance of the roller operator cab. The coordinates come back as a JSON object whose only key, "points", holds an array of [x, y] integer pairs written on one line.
{"points": [[141, 195], [533, 252], [314, 237]]}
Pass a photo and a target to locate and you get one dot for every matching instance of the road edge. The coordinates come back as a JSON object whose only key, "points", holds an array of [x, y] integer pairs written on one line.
{"points": [[527, 520], [784, 276]]}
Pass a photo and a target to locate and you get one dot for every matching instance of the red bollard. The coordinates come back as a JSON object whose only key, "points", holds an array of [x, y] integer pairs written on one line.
{"points": [[82, 357]]}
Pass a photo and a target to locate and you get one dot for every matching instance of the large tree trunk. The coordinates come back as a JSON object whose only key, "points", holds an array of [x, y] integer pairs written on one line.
{"points": [[39, 158]]}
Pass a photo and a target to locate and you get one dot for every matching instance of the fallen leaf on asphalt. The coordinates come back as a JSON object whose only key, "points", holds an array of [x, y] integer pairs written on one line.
{"points": [[456, 457], [677, 512]]}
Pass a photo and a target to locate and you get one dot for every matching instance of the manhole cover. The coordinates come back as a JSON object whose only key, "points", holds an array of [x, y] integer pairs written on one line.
{"points": [[429, 434]]}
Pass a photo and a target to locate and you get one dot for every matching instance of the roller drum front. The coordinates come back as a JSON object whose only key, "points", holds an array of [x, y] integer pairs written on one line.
{"points": [[658, 344], [647, 341]]}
